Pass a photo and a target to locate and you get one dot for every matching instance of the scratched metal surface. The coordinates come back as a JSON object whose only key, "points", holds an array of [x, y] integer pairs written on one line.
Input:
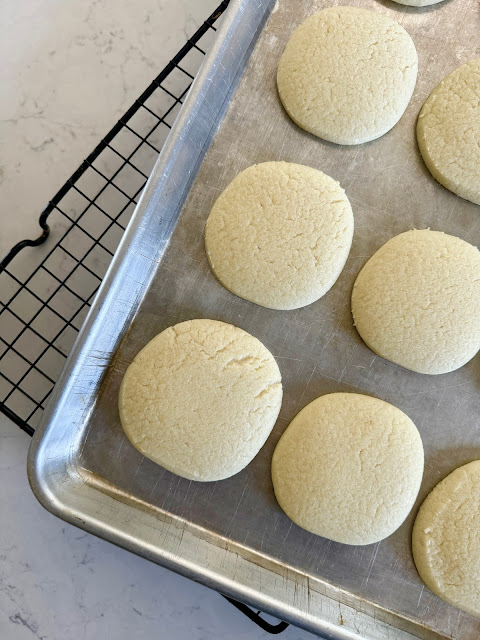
{"points": [[316, 347]]}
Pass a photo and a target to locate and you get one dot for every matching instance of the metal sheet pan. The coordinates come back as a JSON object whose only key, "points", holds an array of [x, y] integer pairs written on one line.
{"points": [[232, 535]]}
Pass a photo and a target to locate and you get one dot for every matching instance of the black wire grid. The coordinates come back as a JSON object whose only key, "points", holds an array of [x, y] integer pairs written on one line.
{"points": [[45, 293]]}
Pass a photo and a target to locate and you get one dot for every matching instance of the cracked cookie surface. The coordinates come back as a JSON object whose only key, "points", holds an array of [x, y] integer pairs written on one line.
{"points": [[448, 131], [347, 74], [446, 541], [201, 398], [348, 468], [416, 302], [279, 235]]}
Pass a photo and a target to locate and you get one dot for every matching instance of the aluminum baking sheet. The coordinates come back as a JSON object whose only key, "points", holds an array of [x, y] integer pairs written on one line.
{"points": [[161, 276]]}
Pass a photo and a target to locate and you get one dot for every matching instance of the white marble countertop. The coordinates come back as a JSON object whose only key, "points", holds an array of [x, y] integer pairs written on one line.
{"points": [[69, 70]]}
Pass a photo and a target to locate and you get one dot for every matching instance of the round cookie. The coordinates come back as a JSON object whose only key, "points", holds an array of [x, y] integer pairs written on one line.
{"points": [[347, 74], [348, 468], [201, 399], [279, 235], [446, 540], [448, 131], [417, 3], [416, 302]]}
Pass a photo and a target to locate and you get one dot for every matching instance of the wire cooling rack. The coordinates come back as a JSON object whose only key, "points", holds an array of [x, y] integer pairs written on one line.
{"points": [[48, 284]]}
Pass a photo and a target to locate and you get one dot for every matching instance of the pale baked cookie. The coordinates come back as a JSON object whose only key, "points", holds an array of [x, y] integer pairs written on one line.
{"points": [[347, 74], [446, 539], [201, 399], [348, 468], [416, 302], [448, 131], [417, 3], [280, 234]]}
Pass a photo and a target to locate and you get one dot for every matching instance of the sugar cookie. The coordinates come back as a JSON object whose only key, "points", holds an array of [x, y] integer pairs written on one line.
{"points": [[348, 468], [280, 234], [446, 540], [448, 131], [347, 74], [416, 302], [201, 398]]}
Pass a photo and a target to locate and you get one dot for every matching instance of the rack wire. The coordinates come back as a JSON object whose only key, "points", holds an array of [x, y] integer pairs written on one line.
{"points": [[48, 284], [45, 292]]}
